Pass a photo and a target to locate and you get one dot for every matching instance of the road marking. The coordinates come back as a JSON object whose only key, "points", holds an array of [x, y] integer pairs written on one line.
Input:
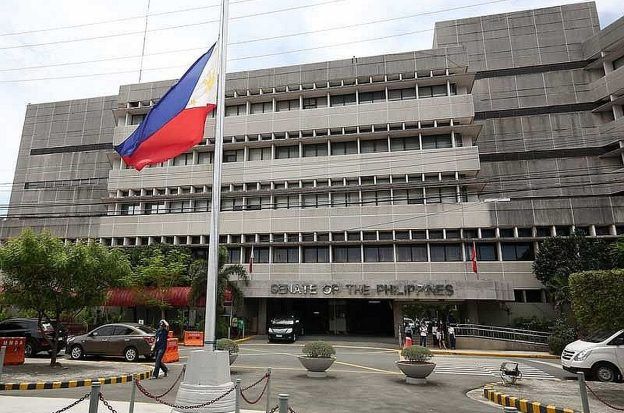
{"points": [[366, 367], [234, 367]]}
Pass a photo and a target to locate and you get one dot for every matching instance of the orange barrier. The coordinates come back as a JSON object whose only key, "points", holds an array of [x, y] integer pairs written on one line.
{"points": [[171, 354], [408, 342], [170, 334], [14, 350], [194, 338]]}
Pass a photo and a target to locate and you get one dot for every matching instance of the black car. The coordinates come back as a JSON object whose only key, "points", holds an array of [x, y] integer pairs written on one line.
{"points": [[285, 328], [35, 340]]}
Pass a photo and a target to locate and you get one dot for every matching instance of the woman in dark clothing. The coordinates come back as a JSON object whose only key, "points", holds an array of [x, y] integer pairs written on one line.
{"points": [[160, 346]]}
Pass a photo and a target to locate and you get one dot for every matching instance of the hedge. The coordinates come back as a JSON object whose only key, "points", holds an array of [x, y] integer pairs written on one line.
{"points": [[598, 299]]}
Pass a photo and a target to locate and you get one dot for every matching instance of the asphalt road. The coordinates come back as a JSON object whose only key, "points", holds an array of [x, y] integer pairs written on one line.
{"points": [[363, 378]]}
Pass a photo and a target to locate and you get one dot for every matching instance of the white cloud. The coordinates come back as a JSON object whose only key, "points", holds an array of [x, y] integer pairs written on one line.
{"points": [[23, 15]]}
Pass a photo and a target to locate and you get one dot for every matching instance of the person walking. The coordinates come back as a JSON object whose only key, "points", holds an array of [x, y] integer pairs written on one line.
{"points": [[435, 335], [451, 335], [423, 335], [442, 336], [160, 346]]}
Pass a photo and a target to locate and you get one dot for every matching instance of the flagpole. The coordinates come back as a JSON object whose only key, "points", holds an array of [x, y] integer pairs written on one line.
{"points": [[213, 245]]}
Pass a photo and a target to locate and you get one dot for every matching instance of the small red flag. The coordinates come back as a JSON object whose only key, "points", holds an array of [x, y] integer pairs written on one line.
{"points": [[473, 258]]}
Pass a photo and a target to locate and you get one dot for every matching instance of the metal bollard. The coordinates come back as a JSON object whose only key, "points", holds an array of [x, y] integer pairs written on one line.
{"points": [[2, 354], [282, 403], [132, 397], [583, 391], [238, 396], [94, 398], [268, 392]]}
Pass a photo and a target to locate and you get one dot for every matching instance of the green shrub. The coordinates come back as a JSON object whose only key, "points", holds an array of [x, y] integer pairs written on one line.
{"points": [[318, 349], [227, 344], [417, 354], [598, 300], [562, 335]]}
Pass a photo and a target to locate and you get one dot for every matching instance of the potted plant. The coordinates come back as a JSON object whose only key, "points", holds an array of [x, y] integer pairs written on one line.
{"points": [[318, 357], [230, 346], [415, 364]]}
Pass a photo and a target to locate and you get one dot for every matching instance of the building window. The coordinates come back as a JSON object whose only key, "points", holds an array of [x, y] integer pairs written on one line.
{"points": [[259, 154], [372, 97], [283, 152], [378, 145], [408, 196], [130, 209], [261, 255], [236, 110], [314, 103], [204, 157], [233, 156], [261, 107], [411, 143], [525, 232], [183, 160], [344, 148], [533, 296], [402, 94], [411, 253], [343, 199], [617, 63], [318, 149], [517, 251], [176, 207], [437, 142], [445, 252], [342, 100], [233, 255], [315, 254], [506, 232], [603, 230], [202, 205], [444, 195], [373, 198], [543, 231], [432, 91], [283, 255], [346, 254], [286, 105], [485, 252], [253, 204], [379, 253], [232, 204], [286, 201], [136, 119], [315, 200]]}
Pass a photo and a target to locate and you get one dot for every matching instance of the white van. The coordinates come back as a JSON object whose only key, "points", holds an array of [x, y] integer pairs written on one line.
{"points": [[601, 356]]}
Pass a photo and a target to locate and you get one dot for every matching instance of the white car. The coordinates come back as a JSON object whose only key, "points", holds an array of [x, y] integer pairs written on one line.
{"points": [[600, 356]]}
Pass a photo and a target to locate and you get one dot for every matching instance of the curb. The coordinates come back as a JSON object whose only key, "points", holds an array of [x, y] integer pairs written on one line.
{"points": [[522, 405], [496, 354], [243, 340], [47, 385]]}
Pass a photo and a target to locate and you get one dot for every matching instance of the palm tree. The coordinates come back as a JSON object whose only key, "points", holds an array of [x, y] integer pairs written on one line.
{"points": [[228, 277]]}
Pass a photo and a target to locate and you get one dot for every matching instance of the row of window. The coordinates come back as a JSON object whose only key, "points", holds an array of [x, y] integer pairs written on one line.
{"points": [[329, 148], [424, 252], [295, 185], [414, 196]]}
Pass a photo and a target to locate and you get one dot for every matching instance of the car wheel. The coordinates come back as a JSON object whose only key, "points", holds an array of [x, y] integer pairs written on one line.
{"points": [[605, 372], [30, 349], [76, 352], [131, 354]]}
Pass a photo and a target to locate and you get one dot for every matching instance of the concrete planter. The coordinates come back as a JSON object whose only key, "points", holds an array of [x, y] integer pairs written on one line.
{"points": [[415, 373], [233, 357], [316, 366]]}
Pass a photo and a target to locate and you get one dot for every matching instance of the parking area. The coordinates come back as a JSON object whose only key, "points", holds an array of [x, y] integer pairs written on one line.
{"points": [[363, 378]]}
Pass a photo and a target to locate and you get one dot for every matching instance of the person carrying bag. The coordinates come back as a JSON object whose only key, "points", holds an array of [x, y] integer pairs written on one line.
{"points": [[160, 346]]}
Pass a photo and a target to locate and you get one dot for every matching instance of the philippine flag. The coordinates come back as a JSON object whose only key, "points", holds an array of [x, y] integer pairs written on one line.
{"points": [[176, 123]]}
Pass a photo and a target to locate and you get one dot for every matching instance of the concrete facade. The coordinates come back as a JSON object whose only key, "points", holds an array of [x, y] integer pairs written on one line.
{"points": [[366, 172]]}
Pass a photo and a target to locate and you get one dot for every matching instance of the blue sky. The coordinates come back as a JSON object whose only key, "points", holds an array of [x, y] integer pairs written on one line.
{"points": [[28, 15]]}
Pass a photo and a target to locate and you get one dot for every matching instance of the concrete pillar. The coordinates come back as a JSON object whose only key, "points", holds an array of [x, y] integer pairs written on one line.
{"points": [[262, 316], [472, 313], [397, 318]]}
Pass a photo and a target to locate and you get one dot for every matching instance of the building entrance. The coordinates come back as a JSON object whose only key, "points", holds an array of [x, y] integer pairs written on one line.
{"points": [[328, 316]]}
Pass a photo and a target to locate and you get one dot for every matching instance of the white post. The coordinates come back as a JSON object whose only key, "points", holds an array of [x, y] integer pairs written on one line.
{"points": [[213, 246], [2, 354]]}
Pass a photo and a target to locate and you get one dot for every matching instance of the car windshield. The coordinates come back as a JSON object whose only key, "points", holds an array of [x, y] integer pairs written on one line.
{"points": [[599, 336], [147, 329], [281, 322]]}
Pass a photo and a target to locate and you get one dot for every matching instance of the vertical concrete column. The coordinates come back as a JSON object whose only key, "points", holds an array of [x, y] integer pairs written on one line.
{"points": [[262, 315], [397, 312], [472, 313]]}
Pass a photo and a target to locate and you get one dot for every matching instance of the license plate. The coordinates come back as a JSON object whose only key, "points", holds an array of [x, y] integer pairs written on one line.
{"points": [[278, 335]]}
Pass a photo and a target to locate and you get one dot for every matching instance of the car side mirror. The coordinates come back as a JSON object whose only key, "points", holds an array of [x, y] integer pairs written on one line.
{"points": [[94, 334]]}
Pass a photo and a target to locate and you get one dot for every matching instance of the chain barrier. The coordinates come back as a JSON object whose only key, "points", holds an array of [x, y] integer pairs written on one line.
{"points": [[606, 403], [108, 406], [160, 396], [178, 406], [273, 410], [290, 410], [266, 384], [83, 398]]}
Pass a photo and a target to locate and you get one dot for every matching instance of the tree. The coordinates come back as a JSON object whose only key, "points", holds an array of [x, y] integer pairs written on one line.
{"points": [[226, 279], [558, 257], [159, 268], [43, 274], [598, 299]]}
